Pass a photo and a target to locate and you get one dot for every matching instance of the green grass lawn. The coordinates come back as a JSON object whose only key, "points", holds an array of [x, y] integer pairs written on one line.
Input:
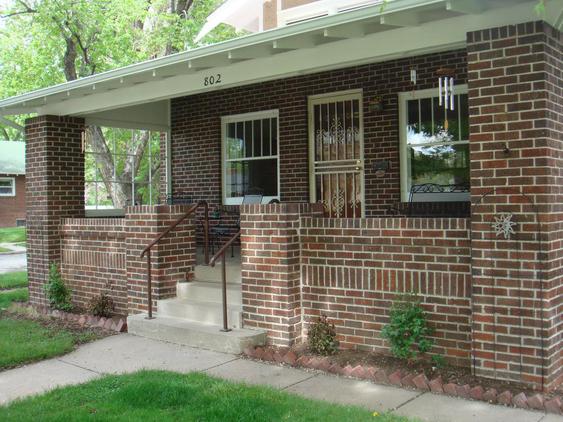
{"points": [[12, 235], [2, 250], [13, 280], [166, 396], [16, 295]]}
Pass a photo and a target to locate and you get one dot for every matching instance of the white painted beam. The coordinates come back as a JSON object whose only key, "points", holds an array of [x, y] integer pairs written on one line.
{"points": [[295, 43], [399, 19], [345, 31], [254, 52], [385, 45], [465, 6]]}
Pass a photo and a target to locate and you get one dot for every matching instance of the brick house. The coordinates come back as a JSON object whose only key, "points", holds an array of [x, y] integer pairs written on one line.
{"points": [[12, 184], [387, 181]]}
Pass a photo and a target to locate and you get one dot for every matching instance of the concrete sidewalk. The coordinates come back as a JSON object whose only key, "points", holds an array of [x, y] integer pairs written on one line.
{"points": [[127, 353], [13, 261]]}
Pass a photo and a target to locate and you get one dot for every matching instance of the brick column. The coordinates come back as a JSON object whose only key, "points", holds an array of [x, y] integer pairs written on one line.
{"points": [[515, 92], [271, 274], [172, 258], [55, 190]]}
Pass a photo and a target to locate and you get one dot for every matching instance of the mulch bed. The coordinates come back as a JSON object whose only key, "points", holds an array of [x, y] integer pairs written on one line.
{"points": [[421, 375]]}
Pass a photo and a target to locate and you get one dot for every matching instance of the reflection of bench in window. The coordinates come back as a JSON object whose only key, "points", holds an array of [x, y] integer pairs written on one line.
{"points": [[432, 200]]}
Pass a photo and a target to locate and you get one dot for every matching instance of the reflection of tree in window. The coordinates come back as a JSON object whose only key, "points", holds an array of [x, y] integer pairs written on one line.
{"points": [[438, 155], [123, 170]]}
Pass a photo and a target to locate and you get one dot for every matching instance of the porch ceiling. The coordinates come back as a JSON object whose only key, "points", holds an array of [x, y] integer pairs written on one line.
{"points": [[137, 96]]}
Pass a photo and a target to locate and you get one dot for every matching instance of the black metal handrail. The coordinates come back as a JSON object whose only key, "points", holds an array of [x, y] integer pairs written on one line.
{"points": [[212, 261], [147, 250]]}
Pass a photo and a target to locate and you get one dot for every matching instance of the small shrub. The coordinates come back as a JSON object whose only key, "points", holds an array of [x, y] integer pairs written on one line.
{"points": [[101, 306], [322, 337], [408, 330], [58, 294], [438, 361]]}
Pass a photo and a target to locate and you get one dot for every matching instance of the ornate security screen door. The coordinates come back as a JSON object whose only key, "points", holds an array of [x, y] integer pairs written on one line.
{"points": [[337, 153]]}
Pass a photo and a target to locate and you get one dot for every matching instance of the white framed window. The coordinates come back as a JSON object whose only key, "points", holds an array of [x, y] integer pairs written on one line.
{"points": [[430, 152], [122, 168], [250, 156], [7, 186]]}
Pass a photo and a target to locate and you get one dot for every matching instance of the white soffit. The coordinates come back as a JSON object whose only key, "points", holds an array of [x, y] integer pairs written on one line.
{"points": [[404, 28]]}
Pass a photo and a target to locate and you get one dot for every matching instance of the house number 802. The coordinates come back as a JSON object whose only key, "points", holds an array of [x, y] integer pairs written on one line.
{"points": [[212, 80]]}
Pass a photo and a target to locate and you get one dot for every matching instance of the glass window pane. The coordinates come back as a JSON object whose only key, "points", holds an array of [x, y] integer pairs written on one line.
{"points": [[441, 134], [248, 149], [234, 144], [274, 134], [266, 138], [442, 165], [253, 176], [257, 135], [463, 112]]}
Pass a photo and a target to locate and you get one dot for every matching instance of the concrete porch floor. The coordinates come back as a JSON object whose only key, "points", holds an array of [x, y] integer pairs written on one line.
{"points": [[130, 353]]}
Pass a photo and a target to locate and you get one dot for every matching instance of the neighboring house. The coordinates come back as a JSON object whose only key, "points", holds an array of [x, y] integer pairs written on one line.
{"points": [[389, 182], [12, 184]]}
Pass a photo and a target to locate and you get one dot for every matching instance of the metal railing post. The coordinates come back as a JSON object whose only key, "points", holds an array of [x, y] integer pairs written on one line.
{"points": [[224, 288], [149, 284]]}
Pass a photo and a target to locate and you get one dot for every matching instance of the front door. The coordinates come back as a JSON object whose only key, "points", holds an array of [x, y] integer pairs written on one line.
{"points": [[336, 153]]}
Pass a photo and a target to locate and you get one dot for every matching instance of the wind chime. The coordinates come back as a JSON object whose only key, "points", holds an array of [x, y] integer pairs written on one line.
{"points": [[446, 92]]}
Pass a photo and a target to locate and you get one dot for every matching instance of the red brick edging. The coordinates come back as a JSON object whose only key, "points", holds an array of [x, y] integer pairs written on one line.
{"points": [[116, 324], [402, 378]]}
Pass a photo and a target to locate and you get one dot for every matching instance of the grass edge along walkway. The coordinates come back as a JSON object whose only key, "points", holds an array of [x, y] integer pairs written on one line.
{"points": [[13, 280], [162, 395]]}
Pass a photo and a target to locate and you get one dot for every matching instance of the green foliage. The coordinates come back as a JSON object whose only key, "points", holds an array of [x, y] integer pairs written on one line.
{"points": [[23, 341], [322, 337], [169, 396], [13, 280], [12, 234], [16, 295], [58, 294], [101, 306], [407, 330], [439, 361]]}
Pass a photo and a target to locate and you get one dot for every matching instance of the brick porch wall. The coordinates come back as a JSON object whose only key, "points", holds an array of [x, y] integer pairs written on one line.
{"points": [[93, 260], [172, 258], [55, 190], [515, 101], [352, 269]]}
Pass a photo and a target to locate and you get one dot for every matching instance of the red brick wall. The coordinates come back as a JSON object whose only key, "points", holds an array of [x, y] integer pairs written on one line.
{"points": [[93, 260], [352, 269], [172, 258], [271, 291], [196, 126], [515, 91], [54, 190], [12, 208]]}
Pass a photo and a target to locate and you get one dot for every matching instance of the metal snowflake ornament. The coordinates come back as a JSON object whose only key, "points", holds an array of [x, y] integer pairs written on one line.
{"points": [[503, 225]]}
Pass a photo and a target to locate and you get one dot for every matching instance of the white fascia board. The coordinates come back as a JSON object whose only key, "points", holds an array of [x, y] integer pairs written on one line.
{"points": [[224, 47], [387, 45]]}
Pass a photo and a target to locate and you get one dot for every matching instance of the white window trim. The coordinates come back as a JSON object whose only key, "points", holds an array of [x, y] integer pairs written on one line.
{"points": [[243, 117], [13, 180], [403, 98]]}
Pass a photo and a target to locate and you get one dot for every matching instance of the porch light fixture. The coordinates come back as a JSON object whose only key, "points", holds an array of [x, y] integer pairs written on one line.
{"points": [[446, 91]]}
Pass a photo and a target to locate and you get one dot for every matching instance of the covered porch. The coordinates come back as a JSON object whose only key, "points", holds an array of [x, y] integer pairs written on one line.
{"points": [[340, 120]]}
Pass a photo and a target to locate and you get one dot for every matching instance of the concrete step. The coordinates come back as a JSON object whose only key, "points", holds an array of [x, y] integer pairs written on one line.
{"points": [[206, 273], [209, 291], [210, 313], [189, 333]]}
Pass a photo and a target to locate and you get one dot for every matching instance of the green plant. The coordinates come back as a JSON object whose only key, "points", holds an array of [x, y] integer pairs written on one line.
{"points": [[101, 305], [322, 337], [438, 361], [407, 330], [58, 294]]}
